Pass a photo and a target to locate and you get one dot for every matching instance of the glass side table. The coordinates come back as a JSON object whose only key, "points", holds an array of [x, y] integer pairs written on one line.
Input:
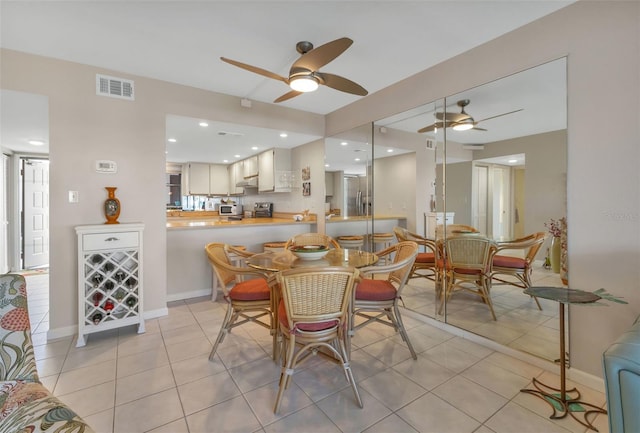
{"points": [[565, 402]]}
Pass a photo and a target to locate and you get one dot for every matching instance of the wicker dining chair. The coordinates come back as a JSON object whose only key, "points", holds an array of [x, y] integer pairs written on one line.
{"points": [[376, 300], [313, 314], [425, 263], [468, 267], [519, 268], [250, 300], [312, 239]]}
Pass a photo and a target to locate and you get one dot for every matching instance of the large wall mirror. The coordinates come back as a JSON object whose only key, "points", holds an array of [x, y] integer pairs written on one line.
{"points": [[504, 176]]}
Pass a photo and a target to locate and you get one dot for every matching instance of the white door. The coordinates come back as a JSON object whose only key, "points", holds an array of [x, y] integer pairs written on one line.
{"points": [[501, 202], [480, 199], [35, 234]]}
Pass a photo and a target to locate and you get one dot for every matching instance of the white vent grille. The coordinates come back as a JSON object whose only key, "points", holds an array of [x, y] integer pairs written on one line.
{"points": [[114, 87], [431, 144]]}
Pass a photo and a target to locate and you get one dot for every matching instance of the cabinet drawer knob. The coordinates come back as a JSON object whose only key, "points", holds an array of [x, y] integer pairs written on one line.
{"points": [[111, 239]]}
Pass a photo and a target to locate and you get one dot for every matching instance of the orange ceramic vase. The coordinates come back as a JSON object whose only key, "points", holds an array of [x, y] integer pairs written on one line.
{"points": [[111, 206]]}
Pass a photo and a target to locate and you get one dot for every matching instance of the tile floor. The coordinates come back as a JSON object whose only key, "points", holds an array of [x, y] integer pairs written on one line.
{"points": [[162, 381]]}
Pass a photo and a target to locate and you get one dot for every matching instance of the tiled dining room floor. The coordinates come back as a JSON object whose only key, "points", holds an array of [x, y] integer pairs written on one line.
{"points": [[162, 381]]}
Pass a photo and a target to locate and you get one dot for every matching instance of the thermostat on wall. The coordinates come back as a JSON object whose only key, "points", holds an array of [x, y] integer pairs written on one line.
{"points": [[103, 166]]}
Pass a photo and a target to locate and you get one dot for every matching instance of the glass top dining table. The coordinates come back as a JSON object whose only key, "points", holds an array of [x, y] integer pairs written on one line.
{"points": [[279, 261]]}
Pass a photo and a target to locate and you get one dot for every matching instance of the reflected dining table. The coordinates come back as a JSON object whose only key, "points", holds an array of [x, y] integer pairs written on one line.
{"points": [[278, 261]]}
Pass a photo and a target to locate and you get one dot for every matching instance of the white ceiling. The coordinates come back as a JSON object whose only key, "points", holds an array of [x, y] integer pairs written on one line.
{"points": [[181, 42]]}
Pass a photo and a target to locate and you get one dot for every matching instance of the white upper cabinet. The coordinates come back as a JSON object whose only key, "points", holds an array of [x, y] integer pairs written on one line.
{"points": [[328, 183], [195, 177], [236, 174], [218, 179], [250, 167], [274, 168]]}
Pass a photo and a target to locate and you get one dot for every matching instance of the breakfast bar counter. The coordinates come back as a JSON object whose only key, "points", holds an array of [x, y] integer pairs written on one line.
{"points": [[220, 222]]}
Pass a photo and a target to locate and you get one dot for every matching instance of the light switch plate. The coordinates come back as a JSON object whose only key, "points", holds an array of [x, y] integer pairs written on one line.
{"points": [[73, 196]]}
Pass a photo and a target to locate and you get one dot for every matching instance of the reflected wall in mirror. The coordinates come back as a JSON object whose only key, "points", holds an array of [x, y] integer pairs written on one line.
{"points": [[504, 176]]}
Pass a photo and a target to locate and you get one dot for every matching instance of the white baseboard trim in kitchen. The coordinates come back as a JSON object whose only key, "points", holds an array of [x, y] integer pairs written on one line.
{"points": [[188, 295]]}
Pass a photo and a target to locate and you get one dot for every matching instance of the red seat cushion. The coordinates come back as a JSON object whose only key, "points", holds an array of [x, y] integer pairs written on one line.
{"points": [[309, 327], [509, 262], [466, 271], [256, 289], [426, 258], [375, 290]]}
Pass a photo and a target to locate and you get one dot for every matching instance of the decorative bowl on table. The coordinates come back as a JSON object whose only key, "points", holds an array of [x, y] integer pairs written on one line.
{"points": [[310, 252]]}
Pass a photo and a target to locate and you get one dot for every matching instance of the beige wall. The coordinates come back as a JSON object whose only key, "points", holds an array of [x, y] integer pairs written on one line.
{"points": [[395, 195], [85, 127], [602, 42]]}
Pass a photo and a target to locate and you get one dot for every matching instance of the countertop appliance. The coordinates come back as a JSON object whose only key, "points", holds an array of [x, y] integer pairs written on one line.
{"points": [[263, 210], [230, 209]]}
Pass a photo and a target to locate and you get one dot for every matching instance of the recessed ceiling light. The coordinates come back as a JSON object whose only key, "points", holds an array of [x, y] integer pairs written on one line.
{"points": [[254, 148], [357, 159], [203, 124], [284, 135], [344, 143], [172, 140], [389, 150], [36, 142], [513, 161], [236, 156], [225, 160], [326, 165]]}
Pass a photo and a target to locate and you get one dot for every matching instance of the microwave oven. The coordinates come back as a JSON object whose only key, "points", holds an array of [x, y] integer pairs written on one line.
{"points": [[230, 209]]}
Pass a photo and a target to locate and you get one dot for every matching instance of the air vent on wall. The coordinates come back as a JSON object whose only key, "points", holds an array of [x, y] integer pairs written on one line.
{"points": [[114, 87]]}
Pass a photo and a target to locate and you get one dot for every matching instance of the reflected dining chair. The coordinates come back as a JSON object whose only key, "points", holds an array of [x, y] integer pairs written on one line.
{"points": [[425, 260], [468, 267], [454, 230], [314, 314], [248, 300], [312, 239], [376, 300], [519, 268]]}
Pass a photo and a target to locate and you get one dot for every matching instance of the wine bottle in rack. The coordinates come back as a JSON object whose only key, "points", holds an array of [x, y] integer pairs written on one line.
{"points": [[96, 258], [108, 306], [97, 318], [108, 267], [97, 297], [131, 302], [108, 285], [119, 276], [96, 279]]}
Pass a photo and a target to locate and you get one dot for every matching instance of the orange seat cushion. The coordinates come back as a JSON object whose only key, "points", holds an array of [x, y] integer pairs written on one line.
{"points": [[250, 290], [426, 258], [375, 290], [309, 327], [509, 262], [466, 271]]}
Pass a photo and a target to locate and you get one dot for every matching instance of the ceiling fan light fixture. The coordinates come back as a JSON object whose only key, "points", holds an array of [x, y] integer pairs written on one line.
{"points": [[464, 125], [304, 84]]}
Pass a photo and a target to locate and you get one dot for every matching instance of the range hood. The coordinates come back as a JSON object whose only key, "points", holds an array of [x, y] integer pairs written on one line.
{"points": [[250, 182]]}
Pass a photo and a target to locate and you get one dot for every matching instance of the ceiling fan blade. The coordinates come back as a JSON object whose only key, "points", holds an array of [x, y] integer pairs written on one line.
{"points": [[499, 115], [428, 128], [452, 117], [320, 56], [478, 129], [255, 70], [288, 95], [343, 84]]}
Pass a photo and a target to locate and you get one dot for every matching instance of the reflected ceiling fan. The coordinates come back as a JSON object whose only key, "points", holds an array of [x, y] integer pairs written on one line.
{"points": [[304, 75], [459, 121]]}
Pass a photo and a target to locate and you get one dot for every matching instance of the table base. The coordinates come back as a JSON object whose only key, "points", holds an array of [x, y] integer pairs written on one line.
{"points": [[569, 404]]}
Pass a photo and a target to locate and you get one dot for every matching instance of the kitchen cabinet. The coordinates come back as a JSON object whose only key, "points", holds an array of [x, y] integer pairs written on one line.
{"points": [[434, 219], [109, 278], [274, 171], [195, 178], [328, 183], [235, 175], [218, 179], [250, 167]]}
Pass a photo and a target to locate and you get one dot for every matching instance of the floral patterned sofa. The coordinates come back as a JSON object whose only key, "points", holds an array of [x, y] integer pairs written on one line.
{"points": [[26, 406]]}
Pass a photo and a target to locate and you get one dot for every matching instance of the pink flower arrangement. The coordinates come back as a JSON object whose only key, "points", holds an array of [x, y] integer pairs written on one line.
{"points": [[556, 227]]}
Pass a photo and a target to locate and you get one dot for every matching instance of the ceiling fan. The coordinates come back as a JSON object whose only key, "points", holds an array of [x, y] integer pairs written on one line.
{"points": [[459, 121], [304, 75]]}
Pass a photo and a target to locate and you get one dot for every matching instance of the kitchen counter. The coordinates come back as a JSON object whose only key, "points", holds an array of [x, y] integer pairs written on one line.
{"points": [[217, 222], [342, 219]]}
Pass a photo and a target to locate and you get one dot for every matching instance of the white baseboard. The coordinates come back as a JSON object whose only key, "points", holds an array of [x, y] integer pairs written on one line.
{"points": [[573, 374], [188, 295], [67, 331]]}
